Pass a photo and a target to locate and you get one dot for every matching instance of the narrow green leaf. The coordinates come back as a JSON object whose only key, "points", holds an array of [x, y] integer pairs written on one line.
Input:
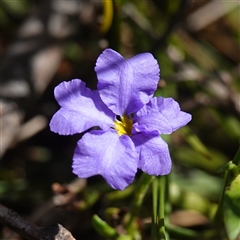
{"points": [[103, 228], [195, 142]]}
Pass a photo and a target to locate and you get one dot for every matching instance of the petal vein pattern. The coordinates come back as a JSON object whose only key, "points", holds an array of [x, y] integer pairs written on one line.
{"points": [[154, 157], [107, 154], [163, 115], [126, 85], [81, 109]]}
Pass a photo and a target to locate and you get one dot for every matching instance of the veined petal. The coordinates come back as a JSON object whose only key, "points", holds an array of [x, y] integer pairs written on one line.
{"points": [[126, 85], [107, 154], [153, 120], [163, 115], [81, 109], [154, 157]]}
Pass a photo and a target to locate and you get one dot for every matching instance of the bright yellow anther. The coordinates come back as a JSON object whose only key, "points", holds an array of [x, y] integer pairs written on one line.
{"points": [[124, 126]]}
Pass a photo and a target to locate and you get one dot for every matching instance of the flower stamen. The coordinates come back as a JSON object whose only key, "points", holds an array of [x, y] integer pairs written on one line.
{"points": [[124, 126]]}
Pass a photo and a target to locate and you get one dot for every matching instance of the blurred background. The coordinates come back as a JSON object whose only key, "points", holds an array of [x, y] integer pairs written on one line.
{"points": [[45, 42]]}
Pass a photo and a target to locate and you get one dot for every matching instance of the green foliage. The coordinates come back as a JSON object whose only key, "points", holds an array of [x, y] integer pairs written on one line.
{"points": [[231, 198], [232, 209]]}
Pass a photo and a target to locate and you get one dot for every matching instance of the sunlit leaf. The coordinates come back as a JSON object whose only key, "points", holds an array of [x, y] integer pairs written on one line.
{"points": [[232, 209]]}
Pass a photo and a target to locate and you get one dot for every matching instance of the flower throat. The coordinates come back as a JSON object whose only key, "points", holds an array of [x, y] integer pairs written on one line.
{"points": [[123, 126]]}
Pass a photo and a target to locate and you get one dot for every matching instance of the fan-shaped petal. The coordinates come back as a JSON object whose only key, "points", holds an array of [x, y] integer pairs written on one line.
{"points": [[107, 154], [125, 85], [81, 109], [163, 115], [154, 157]]}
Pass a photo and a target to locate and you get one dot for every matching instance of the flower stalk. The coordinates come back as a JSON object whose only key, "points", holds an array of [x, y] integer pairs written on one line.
{"points": [[162, 196], [140, 192], [154, 227]]}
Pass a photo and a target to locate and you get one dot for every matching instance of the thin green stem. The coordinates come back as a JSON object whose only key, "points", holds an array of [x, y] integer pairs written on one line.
{"points": [[168, 207], [140, 192], [161, 208], [154, 228]]}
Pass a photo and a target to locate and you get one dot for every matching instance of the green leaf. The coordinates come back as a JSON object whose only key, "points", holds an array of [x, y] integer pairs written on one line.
{"points": [[190, 157], [107, 231], [232, 209], [195, 142], [103, 228]]}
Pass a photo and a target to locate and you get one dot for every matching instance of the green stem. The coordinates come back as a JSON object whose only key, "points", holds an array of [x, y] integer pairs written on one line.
{"points": [[161, 208], [168, 206], [154, 228], [140, 192]]}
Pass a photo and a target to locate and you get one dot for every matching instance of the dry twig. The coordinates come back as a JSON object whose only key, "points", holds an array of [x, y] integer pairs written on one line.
{"points": [[27, 230]]}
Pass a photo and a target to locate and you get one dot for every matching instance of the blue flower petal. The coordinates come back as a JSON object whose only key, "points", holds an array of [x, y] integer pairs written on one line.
{"points": [[154, 157], [126, 85], [107, 154], [163, 115], [81, 109]]}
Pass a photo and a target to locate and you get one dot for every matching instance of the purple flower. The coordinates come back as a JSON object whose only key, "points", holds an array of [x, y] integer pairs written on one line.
{"points": [[130, 120]]}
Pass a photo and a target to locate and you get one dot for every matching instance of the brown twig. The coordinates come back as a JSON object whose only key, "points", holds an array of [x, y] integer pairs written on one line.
{"points": [[27, 230]]}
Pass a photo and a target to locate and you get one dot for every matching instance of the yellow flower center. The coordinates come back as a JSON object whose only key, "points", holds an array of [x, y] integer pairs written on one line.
{"points": [[124, 126]]}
